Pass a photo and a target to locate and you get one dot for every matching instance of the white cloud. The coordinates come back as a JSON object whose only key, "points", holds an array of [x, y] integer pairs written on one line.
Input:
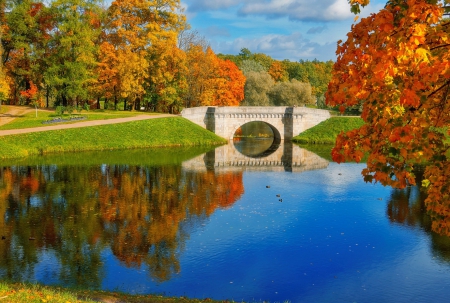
{"points": [[297, 10], [205, 5], [293, 47], [300, 10]]}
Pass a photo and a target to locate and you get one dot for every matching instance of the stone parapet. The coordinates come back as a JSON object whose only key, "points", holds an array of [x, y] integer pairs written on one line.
{"points": [[285, 122]]}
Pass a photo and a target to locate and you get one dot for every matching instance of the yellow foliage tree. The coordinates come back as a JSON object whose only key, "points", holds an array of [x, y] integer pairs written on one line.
{"points": [[4, 85], [136, 28]]}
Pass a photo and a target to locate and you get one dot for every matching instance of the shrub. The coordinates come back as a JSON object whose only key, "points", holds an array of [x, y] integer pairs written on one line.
{"points": [[59, 111]]}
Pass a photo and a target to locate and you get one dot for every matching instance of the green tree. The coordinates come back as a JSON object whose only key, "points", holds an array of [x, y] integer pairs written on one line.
{"points": [[73, 49], [248, 66], [291, 93], [317, 73], [256, 89]]}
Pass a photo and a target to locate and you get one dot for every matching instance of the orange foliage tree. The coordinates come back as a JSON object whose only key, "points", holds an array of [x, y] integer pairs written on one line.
{"points": [[395, 63], [229, 85], [278, 72], [212, 81]]}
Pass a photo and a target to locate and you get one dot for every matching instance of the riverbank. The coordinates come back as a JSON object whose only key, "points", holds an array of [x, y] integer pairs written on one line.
{"points": [[327, 131], [152, 133], [19, 293]]}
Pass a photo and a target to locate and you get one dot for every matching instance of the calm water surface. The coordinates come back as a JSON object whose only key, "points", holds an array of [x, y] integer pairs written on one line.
{"points": [[289, 226]]}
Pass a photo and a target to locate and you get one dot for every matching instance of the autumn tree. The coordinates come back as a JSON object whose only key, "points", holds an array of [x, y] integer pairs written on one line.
{"points": [[228, 85], [278, 72], [212, 81], [4, 85], [137, 30], [188, 38], [108, 79], [395, 63], [26, 33], [167, 77]]}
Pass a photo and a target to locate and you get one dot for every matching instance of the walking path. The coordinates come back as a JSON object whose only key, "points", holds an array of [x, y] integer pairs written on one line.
{"points": [[13, 112], [17, 111]]}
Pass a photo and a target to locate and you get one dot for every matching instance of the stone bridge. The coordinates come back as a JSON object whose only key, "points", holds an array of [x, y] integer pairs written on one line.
{"points": [[285, 122], [287, 157]]}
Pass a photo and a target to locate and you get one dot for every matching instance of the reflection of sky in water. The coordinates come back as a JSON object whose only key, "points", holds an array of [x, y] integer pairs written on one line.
{"points": [[317, 245]]}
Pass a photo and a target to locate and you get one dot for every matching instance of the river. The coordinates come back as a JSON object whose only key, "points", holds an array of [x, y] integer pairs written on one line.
{"points": [[276, 224]]}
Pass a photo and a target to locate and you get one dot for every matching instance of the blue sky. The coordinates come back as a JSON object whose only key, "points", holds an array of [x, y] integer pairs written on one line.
{"points": [[282, 29]]}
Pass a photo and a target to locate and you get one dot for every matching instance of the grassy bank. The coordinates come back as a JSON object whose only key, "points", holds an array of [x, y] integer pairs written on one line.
{"points": [[30, 293], [161, 132], [29, 119], [327, 131]]}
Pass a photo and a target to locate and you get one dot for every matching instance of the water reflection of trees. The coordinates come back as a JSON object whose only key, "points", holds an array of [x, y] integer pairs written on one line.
{"points": [[142, 214], [407, 207]]}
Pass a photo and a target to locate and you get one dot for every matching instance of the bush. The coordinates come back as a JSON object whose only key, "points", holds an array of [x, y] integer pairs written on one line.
{"points": [[59, 111], [70, 109]]}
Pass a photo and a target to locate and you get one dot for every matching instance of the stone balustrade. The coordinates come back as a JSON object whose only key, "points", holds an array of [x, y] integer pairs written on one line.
{"points": [[285, 122]]}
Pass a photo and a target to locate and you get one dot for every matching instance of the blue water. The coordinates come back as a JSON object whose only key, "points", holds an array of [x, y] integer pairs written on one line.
{"points": [[330, 239]]}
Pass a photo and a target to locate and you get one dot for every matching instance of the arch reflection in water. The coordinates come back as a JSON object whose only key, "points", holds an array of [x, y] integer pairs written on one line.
{"points": [[287, 157], [257, 139]]}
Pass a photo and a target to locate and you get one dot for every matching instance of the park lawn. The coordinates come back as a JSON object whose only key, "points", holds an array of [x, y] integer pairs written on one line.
{"points": [[29, 119], [160, 132], [327, 131], [35, 293]]}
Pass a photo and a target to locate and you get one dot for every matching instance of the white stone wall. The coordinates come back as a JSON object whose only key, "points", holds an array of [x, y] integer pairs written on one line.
{"points": [[287, 121]]}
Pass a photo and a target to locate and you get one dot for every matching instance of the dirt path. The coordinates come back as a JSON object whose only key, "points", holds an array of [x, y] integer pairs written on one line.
{"points": [[13, 112], [17, 111]]}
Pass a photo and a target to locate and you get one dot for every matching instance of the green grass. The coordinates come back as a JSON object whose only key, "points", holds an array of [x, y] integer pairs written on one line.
{"points": [[161, 132], [158, 156], [34, 293], [29, 119], [327, 131]]}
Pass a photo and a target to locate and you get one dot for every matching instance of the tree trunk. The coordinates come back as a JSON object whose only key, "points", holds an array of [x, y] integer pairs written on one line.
{"points": [[64, 100], [46, 97]]}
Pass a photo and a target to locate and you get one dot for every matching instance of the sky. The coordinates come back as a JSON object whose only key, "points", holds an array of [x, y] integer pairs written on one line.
{"points": [[282, 29]]}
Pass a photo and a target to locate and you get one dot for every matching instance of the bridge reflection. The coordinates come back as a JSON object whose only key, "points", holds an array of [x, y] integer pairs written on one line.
{"points": [[287, 157]]}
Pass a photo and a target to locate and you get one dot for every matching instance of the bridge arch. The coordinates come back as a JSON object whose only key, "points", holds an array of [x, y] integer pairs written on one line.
{"points": [[287, 122], [276, 134]]}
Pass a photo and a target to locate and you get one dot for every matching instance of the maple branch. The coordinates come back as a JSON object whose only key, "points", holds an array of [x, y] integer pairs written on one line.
{"points": [[442, 105], [436, 47], [443, 85]]}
